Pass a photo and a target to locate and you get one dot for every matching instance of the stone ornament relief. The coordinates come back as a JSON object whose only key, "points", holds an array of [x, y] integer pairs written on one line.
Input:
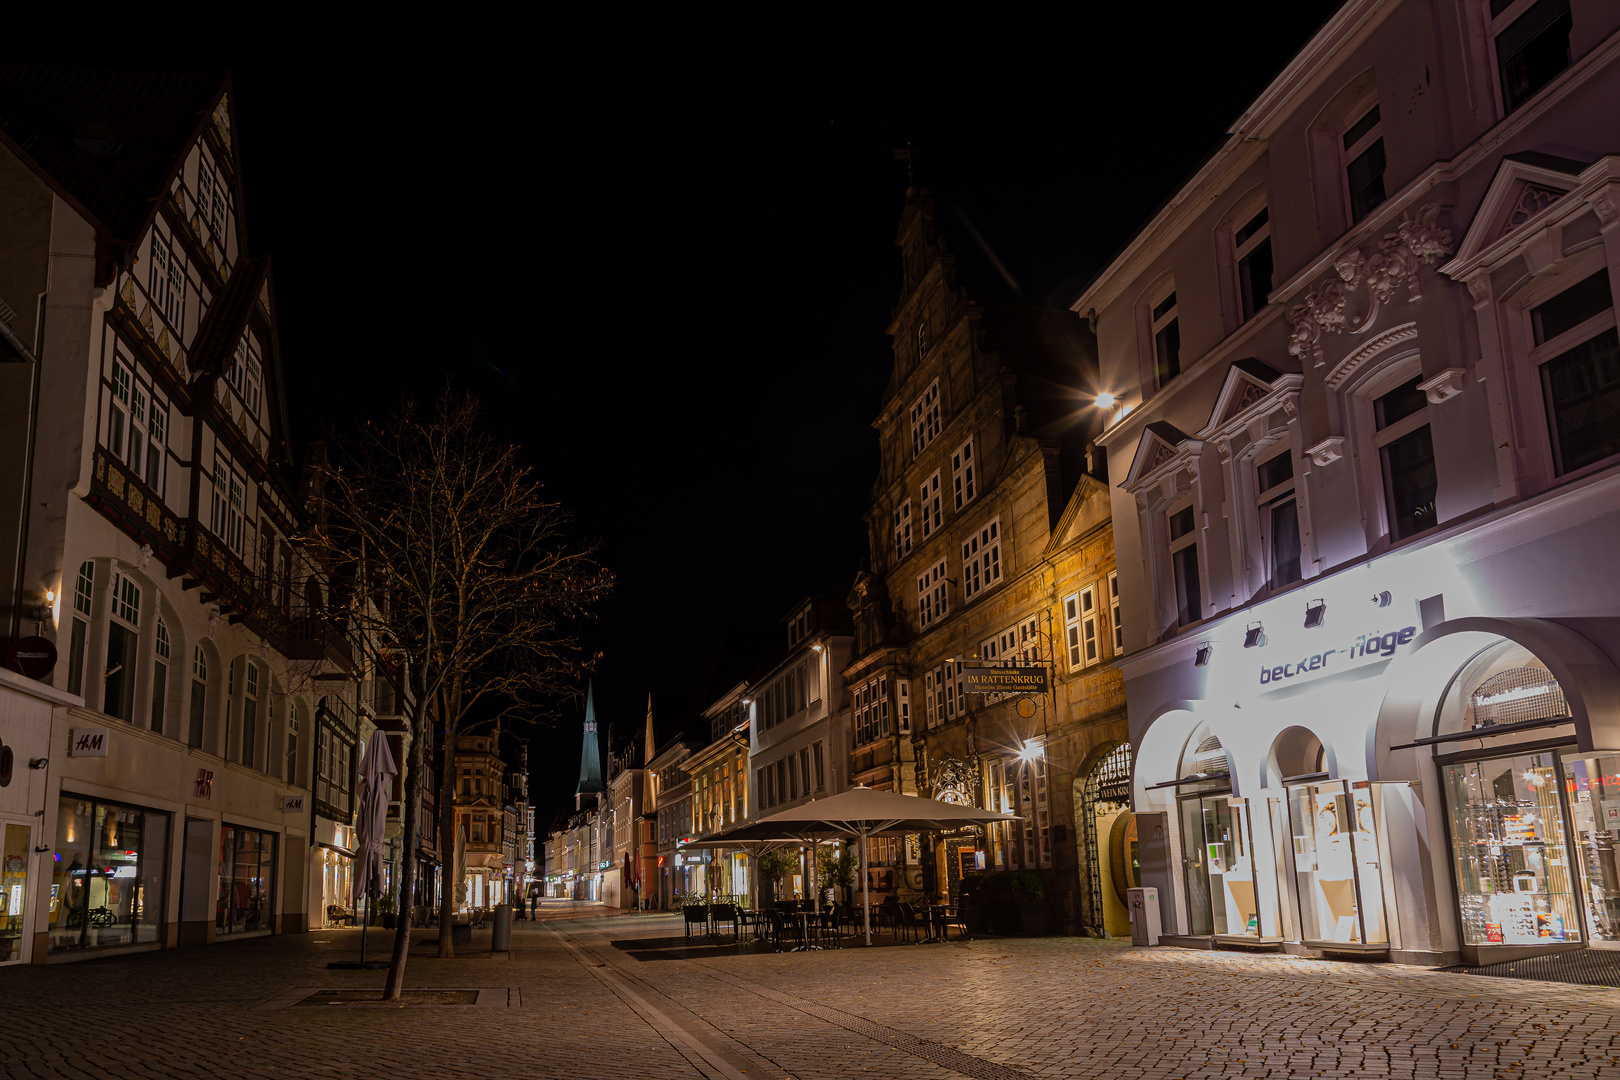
{"points": [[1416, 240], [956, 782]]}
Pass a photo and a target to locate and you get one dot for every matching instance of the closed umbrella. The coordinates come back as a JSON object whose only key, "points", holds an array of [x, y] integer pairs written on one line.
{"points": [[377, 771]]}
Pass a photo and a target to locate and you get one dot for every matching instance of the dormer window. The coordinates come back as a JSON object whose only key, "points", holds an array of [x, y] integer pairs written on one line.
{"points": [[1253, 252], [1166, 340], [1363, 142]]}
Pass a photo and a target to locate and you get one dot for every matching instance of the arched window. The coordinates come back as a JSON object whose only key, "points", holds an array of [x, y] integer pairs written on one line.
{"points": [[250, 711], [83, 589], [160, 674], [123, 630], [199, 696]]}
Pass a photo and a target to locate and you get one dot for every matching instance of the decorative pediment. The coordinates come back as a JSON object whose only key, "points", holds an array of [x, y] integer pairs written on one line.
{"points": [[1163, 448], [1520, 192], [1248, 383], [1372, 279], [1088, 507]]}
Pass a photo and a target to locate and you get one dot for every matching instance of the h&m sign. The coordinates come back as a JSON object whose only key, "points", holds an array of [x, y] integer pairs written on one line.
{"points": [[88, 741], [205, 783], [292, 804]]}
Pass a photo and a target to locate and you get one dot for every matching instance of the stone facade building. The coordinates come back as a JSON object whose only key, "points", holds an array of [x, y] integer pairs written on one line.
{"points": [[990, 544]]}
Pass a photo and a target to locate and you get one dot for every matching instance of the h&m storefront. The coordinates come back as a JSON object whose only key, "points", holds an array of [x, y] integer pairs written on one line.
{"points": [[1379, 763]]}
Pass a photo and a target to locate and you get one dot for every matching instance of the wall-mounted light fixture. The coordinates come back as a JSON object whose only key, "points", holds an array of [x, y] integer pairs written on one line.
{"points": [[1381, 599], [1105, 400], [1315, 612], [1254, 635], [817, 648], [1030, 752], [1206, 649]]}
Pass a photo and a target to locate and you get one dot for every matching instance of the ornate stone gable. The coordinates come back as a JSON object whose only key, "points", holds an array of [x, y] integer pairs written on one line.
{"points": [[1376, 276], [956, 782]]}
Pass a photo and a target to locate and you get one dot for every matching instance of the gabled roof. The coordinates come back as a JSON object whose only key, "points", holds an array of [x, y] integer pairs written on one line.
{"points": [[227, 317], [109, 141]]}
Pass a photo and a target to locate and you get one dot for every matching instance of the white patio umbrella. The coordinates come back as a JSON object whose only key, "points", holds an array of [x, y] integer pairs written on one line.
{"points": [[863, 813]]}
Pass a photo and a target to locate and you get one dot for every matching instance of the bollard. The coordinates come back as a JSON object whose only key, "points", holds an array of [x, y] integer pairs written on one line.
{"points": [[501, 938]]}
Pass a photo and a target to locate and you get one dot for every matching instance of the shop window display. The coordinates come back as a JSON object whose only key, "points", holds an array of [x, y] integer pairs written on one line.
{"points": [[1593, 788], [107, 879], [14, 894], [1224, 897], [1336, 863], [246, 861], [1507, 834]]}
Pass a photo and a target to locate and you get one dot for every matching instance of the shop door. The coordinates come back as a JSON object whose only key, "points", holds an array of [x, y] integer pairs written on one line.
{"points": [[1337, 871], [14, 894], [1218, 863], [1592, 786]]}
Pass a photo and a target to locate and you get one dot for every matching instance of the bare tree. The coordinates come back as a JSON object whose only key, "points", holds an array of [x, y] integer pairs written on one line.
{"points": [[465, 589]]}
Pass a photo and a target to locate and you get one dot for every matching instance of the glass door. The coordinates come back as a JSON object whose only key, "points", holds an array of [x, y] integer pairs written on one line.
{"points": [[1514, 880], [1592, 786], [1337, 869], [13, 891], [1218, 861]]}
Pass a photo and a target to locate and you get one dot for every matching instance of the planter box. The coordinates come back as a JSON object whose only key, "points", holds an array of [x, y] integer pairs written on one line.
{"points": [[1004, 917], [1036, 919]]}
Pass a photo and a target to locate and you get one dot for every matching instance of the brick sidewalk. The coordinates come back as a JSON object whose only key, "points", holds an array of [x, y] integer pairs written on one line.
{"points": [[573, 1000]]}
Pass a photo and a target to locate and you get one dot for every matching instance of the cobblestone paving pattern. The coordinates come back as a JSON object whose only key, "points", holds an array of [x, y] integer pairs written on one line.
{"points": [[569, 1003]]}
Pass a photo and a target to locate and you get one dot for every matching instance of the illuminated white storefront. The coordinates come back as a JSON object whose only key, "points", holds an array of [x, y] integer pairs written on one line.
{"points": [[1430, 770]]}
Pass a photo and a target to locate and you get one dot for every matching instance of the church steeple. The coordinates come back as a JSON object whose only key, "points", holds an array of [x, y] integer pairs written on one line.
{"points": [[590, 754]]}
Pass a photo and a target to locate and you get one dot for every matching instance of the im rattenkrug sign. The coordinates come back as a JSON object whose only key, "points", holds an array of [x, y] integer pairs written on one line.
{"points": [[1004, 680]]}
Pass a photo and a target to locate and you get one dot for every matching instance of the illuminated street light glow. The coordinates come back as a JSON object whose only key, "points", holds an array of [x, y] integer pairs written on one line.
{"points": [[1106, 401]]}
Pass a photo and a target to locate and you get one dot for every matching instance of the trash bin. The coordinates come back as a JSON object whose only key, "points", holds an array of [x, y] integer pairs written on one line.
{"points": [[501, 937], [1144, 903]]}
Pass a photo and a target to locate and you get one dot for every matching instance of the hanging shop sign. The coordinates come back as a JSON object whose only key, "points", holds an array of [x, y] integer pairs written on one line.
{"points": [[1004, 680], [204, 788], [1364, 649], [292, 804], [32, 656], [88, 741]]}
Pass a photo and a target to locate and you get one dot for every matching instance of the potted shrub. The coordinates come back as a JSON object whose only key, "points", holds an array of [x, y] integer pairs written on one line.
{"points": [[385, 908], [1029, 893], [1003, 908], [976, 902]]}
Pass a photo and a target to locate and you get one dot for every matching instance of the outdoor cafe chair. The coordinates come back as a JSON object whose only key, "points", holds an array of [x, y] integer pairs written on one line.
{"points": [[784, 928], [906, 920], [725, 913], [695, 913]]}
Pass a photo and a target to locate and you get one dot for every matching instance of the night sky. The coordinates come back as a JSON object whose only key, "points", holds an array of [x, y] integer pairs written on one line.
{"points": [[663, 254]]}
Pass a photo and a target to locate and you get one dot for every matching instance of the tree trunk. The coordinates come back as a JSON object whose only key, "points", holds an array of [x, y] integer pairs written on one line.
{"points": [[407, 877], [447, 842]]}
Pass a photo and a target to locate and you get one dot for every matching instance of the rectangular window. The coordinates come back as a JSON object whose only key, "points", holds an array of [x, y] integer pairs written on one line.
{"points": [[291, 775], [1253, 244], [1532, 46], [1113, 614], [167, 283], [160, 689], [194, 730], [902, 531], [1184, 567], [117, 410], [1080, 628], [962, 475], [1279, 518], [1166, 340], [1406, 453], [119, 681], [1363, 145], [903, 705], [932, 599], [925, 422], [931, 516], [817, 756], [1580, 378], [981, 560], [75, 683], [156, 433]]}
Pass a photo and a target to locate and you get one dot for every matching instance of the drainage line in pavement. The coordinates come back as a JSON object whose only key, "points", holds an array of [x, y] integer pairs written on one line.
{"points": [[711, 1054]]}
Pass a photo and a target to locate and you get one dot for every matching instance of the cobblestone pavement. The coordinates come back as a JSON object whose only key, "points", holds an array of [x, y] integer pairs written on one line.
{"points": [[585, 993]]}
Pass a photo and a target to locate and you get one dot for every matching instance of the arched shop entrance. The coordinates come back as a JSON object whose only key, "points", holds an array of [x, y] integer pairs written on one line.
{"points": [[1103, 809], [1529, 783]]}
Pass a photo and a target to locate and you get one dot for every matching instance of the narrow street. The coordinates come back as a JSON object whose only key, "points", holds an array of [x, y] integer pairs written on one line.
{"points": [[589, 992]]}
